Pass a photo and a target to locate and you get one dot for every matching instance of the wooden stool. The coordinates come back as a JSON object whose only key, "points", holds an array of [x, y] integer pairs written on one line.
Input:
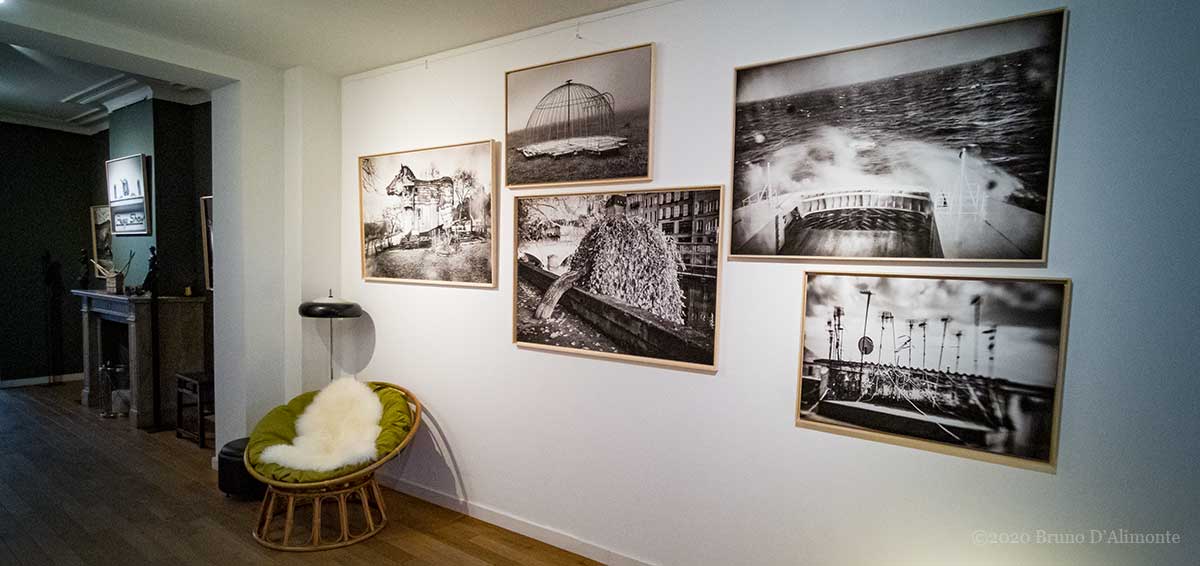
{"points": [[198, 386]]}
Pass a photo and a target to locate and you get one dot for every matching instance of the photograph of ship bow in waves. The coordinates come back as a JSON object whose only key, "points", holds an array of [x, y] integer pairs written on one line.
{"points": [[938, 147]]}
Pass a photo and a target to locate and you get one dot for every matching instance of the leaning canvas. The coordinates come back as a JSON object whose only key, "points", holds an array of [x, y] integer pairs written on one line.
{"points": [[933, 148], [631, 276], [429, 215], [101, 228], [581, 121], [966, 366]]}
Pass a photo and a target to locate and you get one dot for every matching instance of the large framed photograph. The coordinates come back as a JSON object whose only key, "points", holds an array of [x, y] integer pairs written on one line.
{"points": [[581, 121], [206, 239], [429, 215], [933, 148], [101, 229], [128, 195], [965, 366], [632, 276]]}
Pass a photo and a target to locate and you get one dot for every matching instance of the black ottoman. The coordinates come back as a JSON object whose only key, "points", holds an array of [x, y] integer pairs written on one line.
{"points": [[232, 477]]}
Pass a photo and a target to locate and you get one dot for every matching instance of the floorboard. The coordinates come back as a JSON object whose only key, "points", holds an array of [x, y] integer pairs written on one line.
{"points": [[79, 490]]}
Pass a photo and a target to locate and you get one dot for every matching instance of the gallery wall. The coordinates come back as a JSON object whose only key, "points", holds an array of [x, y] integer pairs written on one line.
{"points": [[631, 464], [48, 179]]}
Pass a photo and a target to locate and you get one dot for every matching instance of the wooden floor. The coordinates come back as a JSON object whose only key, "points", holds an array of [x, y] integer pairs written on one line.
{"points": [[76, 489]]}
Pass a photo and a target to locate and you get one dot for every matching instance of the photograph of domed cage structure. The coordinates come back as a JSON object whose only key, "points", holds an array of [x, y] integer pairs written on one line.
{"points": [[966, 366], [429, 215], [581, 121], [631, 276]]}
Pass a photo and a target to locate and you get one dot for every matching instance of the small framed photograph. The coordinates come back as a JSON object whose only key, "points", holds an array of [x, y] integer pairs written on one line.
{"points": [[206, 239], [586, 120], [128, 194], [960, 365]]}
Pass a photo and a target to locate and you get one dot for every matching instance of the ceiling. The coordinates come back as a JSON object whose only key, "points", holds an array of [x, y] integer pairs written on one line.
{"points": [[340, 37], [44, 90]]}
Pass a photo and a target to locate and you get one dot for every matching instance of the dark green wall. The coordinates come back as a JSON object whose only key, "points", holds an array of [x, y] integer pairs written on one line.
{"points": [[48, 180], [131, 131], [177, 139]]}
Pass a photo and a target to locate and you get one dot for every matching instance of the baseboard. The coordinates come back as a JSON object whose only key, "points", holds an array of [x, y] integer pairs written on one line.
{"points": [[548, 535], [25, 381]]}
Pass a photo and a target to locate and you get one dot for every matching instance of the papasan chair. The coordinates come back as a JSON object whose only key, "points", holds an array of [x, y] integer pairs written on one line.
{"points": [[348, 496]]}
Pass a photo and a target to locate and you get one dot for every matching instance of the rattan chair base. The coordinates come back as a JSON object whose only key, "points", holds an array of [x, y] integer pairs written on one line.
{"points": [[360, 497]]}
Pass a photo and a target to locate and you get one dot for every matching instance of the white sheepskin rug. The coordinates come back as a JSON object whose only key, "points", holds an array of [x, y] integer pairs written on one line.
{"points": [[337, 429]]}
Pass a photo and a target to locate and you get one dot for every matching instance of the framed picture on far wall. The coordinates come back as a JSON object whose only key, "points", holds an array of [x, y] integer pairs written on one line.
{"points": [[128, 193], [966, 366], [206, 225], [631, 276], [429, 215], [934, 148], [585, 120], [101, 229]]}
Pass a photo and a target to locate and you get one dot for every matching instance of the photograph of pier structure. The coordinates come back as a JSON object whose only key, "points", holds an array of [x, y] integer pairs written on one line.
{"points": [[621, 274], [938, 147], [967, 362], [428, 215]]}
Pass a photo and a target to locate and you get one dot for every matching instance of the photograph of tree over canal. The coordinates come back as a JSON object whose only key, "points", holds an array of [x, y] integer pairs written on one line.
{"points": [[628, 275]]}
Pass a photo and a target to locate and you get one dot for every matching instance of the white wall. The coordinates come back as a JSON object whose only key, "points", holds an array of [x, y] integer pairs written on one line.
{"points": [[678, 468], [312, 142]]}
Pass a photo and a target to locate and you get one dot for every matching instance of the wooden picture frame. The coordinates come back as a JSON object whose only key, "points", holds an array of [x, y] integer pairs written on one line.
{"points": [[986, 212], [206, 223], [544, 155], [1012, 420], [101, 237], [129, 193], [447, 230], [683, 345]]}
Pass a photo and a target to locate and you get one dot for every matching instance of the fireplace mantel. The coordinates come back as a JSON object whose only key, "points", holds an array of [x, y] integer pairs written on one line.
{"points": [[181, 348]]}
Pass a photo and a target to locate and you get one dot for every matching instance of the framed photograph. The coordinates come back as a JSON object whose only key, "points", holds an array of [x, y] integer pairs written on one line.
{"points": [[581, 121], [965, 366], [128, 193], [934, 148], [429, 215], [206, 225], [631, 276], [101, 222]]}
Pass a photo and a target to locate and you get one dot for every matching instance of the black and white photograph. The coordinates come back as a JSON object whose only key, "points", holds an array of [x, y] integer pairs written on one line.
{"points": [[632, 276], [581, 121], [973, 366], [128, 194], [101, 229], [429, 215], [206, 239], [937, 148]]}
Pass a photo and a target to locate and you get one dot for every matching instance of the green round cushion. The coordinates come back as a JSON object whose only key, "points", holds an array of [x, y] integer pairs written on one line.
{"points": [[279, 427]]}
